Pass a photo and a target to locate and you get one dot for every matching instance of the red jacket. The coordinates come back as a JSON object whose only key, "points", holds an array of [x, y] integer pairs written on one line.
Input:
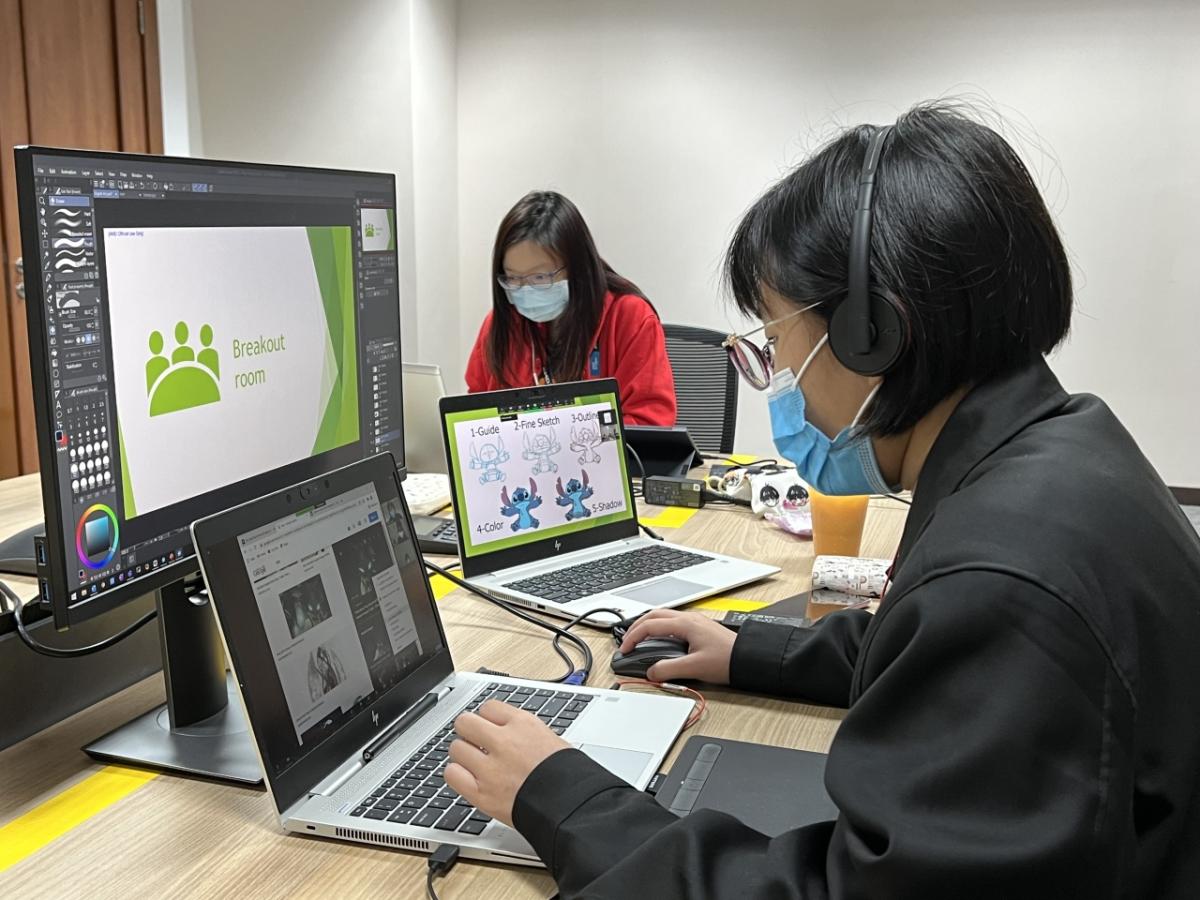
{"points": [[632, 350]]}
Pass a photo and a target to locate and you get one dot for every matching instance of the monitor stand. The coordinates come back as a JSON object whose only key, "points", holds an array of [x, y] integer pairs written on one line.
{"points": [[16, 552], [201, 730]]}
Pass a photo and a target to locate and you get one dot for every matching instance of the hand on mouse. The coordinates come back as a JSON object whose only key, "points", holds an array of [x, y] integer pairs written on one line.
{"points": [[710, 645]]}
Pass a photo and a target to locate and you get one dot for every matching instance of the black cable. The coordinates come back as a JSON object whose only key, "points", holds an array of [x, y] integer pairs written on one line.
{"points": [[441, 861], [67, 652], [583, 617], [768, 463], [650, 532], [711, 496], [641, 467], [579, 643], [899, 499]]}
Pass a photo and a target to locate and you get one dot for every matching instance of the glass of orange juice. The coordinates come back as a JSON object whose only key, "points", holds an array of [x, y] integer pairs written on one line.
{"points": [[837, 524]]}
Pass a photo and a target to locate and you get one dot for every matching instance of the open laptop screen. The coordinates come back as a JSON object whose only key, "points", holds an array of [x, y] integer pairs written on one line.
{"points": [[326, 610], [537, 465]]}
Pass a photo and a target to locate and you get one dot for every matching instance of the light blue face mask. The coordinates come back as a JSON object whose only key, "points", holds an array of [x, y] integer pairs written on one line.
{"points": [[845, 465], [540, 304]]}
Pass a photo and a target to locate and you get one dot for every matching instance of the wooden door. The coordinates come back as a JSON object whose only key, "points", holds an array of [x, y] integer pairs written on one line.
{"points": [[73, 73]]}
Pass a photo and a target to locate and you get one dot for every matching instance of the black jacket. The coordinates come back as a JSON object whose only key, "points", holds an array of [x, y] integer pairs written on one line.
{"points": [[1022, 711]]}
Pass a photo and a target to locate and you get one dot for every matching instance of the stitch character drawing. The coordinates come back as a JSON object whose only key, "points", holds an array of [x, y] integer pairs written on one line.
{"points": [[488, 459], [520, 504], [584, 441], [573, 496], [538, 450]]}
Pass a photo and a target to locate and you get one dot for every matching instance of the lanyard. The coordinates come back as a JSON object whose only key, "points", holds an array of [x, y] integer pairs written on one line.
{"points": [[544, 376]]}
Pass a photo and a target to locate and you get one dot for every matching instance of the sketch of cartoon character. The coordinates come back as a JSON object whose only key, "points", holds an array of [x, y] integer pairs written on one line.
{"points": [[520, 504], [573, 496], [540, 447], [797, 497], [584, 441], [489, 458]]}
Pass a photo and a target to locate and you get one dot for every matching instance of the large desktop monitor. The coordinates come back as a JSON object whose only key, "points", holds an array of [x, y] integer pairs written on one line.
{"points": [[201, 333]]}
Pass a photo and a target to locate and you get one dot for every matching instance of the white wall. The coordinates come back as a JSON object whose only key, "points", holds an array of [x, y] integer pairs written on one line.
{"points": [[309, 82], [435, 186], [663, 121], [177, 74]]}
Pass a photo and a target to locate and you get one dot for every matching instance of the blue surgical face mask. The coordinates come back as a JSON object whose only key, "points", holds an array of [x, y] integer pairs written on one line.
{"points": [[540, 304], [845, 465]]}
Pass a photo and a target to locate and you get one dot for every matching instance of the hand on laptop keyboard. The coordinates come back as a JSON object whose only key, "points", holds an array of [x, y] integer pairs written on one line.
{"points": [[516, 741], [417, 793]]}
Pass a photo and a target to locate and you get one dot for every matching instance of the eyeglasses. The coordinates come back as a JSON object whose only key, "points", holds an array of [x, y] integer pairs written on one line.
{"points": [[754, 363], [537, 280]]}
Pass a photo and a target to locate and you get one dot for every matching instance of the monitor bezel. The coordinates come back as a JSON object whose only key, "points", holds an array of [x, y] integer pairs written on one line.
{"points": [[548, 548], [54, 573]]}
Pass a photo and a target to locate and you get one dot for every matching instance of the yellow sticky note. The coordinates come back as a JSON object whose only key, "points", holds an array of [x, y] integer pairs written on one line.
{"points": [[726, 604], [670, 517], [441, 585]]}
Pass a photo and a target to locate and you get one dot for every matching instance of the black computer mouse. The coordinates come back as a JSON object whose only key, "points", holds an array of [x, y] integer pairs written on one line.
{"points": [[638, 661]]}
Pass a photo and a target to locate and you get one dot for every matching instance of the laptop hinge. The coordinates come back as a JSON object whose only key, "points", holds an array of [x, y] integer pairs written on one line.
{"points": [[333, 783]]}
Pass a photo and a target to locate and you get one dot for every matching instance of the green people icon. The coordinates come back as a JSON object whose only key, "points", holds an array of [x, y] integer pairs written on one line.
{"points": [[185, 380]]}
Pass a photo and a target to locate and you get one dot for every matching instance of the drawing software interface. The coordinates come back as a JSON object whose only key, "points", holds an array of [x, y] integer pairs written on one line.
{"points": [[206, 324], [531, 473]]}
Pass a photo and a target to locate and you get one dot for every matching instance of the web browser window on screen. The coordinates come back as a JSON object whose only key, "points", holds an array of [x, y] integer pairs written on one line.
{"points": [[529, 474], [337, 619]]}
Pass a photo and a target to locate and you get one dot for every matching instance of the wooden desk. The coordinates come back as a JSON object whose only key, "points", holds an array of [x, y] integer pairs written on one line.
{"points": [[178, 836]]}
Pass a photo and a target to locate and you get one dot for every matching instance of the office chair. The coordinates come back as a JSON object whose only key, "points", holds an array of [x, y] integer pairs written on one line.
{"points": [[706, 386]]}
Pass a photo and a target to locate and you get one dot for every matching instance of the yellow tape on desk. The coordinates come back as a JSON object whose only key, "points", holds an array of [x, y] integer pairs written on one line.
{"points": [[727, 604], [441, 585], [742, 459], [31, 832], [670, 517]]}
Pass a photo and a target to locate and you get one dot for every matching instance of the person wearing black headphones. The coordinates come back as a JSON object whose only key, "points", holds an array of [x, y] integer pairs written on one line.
{"points": [[1022, 711]]}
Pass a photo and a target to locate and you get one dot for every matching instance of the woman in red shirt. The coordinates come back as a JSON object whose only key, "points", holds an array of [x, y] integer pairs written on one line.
{"points": [[560, 313]]}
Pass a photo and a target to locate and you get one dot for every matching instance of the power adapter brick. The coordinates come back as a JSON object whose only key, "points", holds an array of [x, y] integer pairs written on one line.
{"points": [[668, 490]]}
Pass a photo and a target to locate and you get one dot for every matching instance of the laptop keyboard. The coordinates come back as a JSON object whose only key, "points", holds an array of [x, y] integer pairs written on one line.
{"points": [[417, 793], [608, 573]]}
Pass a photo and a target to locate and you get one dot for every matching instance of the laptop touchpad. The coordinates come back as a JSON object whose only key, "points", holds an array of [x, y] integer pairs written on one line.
{"points": [[625, 764], [662, 590]]}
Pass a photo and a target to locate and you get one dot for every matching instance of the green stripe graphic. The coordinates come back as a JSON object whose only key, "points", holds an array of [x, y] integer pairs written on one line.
{"points": [[334, 266]]}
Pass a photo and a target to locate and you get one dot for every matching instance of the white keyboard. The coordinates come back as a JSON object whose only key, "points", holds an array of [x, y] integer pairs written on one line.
{"points": [[426, 492]]}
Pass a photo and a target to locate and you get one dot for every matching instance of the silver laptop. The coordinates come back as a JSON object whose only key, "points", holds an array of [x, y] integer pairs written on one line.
{"points": [[347, 681], [545, 508], [423, 388]]}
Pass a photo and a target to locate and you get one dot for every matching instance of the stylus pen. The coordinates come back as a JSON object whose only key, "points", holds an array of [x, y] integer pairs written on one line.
{"points": [[401, 725]]}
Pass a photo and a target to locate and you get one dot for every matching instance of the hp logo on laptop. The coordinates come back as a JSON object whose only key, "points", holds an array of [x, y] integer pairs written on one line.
{"points": [[375, 718], [557, 546]]}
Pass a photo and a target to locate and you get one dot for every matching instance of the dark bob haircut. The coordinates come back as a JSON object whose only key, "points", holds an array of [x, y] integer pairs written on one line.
{"points": [[961, 241]]}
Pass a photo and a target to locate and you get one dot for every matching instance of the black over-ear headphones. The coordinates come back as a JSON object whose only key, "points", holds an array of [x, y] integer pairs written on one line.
{"points": [[866, 333]]}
